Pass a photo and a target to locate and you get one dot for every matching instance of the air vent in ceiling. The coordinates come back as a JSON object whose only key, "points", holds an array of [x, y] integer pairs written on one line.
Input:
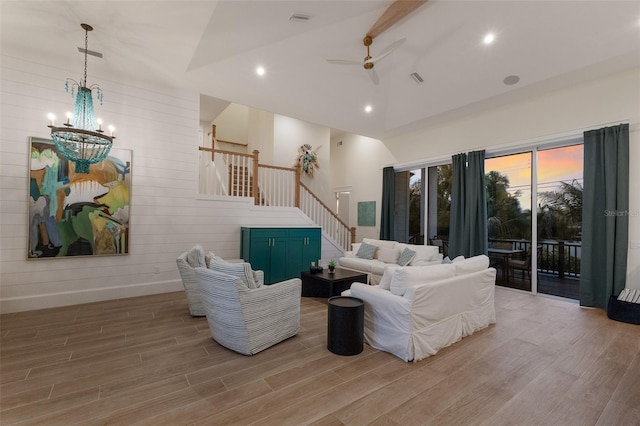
{"points": [[299, 17], [418, 79]]}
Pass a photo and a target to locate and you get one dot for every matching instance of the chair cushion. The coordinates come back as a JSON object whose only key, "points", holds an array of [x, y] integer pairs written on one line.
{"points": [[211, 256], [387, 276], [240, 270], [195, 257], [403, 278]]}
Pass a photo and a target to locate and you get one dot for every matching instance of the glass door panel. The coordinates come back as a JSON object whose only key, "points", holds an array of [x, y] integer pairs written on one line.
{"points": [[559, 211], [508, 186]]}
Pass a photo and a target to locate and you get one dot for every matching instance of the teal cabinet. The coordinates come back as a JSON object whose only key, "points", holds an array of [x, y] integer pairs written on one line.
{"points": [[282, 253]]}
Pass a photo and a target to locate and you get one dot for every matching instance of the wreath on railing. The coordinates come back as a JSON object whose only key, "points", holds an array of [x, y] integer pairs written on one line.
{"points": [[308, 159]]}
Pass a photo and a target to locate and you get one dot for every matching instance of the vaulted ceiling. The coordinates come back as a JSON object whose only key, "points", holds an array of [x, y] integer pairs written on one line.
{"points": [[214, 47]]}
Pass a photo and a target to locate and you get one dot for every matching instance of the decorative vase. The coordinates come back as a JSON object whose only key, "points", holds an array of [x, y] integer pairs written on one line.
{"points": [[332, 269]]}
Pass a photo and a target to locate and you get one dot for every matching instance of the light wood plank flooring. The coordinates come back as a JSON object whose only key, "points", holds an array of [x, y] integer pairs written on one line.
{"points": [[146, 361]]}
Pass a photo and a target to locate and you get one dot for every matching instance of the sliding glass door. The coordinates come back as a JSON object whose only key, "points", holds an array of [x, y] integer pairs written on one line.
{"points": [[508, 186], [559, 195]]}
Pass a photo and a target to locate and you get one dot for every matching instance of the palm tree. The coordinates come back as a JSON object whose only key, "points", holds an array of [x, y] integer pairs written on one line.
{"points": [[560, 212]]}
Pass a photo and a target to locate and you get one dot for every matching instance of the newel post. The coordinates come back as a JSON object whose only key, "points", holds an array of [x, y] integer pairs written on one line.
{"points": [[353, 235], [254, 181], [297, 187]]}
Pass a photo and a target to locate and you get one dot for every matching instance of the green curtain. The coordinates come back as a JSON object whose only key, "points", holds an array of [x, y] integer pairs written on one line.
{"points": [[475, 222], [456, 215], [468, 217], [605, 215], [388, 204]]}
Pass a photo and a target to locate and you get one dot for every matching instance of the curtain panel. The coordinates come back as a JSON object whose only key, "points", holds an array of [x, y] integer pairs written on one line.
{"points": [[388, 204], [468, 217], [605, 215]]}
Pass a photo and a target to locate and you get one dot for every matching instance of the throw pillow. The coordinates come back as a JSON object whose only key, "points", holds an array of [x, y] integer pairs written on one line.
{"points": [[447, 260], [457, 259], [387, 276], [195, 257], [471, 265], [406, 257], [240, 270], [211, 256], [388, 255], [366, 251], [403, 278]]}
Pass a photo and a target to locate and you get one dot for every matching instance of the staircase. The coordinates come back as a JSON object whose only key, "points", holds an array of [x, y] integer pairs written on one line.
{"points": [[269, 186]]}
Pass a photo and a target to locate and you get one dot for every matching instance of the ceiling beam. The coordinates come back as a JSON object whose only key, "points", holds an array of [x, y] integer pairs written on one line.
{"points": [[398, 10]]}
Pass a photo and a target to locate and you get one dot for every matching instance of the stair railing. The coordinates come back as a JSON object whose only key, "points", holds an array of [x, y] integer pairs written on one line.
{"points": [[277, 187]]}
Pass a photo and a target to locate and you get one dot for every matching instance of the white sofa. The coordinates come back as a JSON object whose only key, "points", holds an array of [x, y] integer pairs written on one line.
{"points": [[416, 311], [387, 254]]}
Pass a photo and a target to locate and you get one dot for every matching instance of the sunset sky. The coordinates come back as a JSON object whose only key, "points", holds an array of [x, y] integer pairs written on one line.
{"points": [[554, 166]]}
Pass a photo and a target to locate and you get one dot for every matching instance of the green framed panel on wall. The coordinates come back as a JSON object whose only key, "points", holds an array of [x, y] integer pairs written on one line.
{"points": [[366, 213], [77, 214]]}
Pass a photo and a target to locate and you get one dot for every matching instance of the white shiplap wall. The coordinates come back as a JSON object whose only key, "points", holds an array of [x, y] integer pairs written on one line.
{"points": [[161, 126]]}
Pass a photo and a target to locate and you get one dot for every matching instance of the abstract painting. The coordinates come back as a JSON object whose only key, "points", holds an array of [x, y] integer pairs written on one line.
{"points": [[77, 214]]}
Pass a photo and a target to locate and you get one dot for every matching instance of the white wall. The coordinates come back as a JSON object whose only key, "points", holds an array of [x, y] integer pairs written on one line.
{"points": [[161, 126], [260, 134], [232, 125], [565, 112], [357, 164], [289, 135]]}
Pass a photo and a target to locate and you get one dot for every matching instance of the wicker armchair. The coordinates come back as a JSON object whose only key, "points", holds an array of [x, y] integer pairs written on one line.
{"points": [[187, 261], [249, 320]]}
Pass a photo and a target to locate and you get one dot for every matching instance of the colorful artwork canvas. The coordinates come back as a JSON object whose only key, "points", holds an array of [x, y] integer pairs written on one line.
{"points": [[76, 214]]}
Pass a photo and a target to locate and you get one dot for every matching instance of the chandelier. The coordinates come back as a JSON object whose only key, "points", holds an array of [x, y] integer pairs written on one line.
{"points": [[81, 139]]}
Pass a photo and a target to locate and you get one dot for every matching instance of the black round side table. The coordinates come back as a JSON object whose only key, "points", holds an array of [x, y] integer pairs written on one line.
{"points": [[345, 327]]}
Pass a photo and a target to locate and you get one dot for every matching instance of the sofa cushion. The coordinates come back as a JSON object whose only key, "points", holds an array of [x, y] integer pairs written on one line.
{"points": [[387, 276], [471, 264], [356, 263], [404, 278], [388, 255], [240, 270], [424, 254], [380, 243], [406, 257], [366, 251]]}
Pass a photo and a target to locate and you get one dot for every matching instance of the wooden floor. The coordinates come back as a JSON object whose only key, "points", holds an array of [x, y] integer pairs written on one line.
{"points": [[146, 361]]}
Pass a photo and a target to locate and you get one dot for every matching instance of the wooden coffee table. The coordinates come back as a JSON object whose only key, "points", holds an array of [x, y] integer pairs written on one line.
{"points": [[324, 284]]}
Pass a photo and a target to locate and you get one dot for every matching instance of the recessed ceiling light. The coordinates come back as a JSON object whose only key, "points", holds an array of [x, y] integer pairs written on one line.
{"points": [[368, 108], [510, 80], [260, 71], [489, 38]]}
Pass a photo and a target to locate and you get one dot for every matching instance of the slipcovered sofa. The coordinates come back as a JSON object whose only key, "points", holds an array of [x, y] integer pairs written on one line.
{"points": [[416, 311], [387, 253]]}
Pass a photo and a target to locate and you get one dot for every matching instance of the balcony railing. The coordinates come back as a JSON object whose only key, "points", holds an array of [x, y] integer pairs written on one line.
{"points": [[559, 258]]}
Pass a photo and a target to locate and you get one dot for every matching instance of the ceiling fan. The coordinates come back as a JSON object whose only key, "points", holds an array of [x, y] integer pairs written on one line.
{"points": [[394, 13]]}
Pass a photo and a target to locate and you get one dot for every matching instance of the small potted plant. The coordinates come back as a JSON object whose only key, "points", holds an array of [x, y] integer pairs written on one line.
{"points": [[332, 266]]}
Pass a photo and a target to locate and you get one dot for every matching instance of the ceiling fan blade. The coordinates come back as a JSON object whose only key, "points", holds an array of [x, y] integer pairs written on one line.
{"points": [[344, 62], [398, 10], [373, 75], [393, 46]]}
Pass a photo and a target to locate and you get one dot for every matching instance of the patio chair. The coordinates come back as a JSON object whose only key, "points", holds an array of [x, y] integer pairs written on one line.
{"points": [[523, 265], [249, 320]]}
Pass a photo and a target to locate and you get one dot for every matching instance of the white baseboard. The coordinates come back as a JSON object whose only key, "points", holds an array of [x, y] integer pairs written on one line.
{"points": [[44, 301]]}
